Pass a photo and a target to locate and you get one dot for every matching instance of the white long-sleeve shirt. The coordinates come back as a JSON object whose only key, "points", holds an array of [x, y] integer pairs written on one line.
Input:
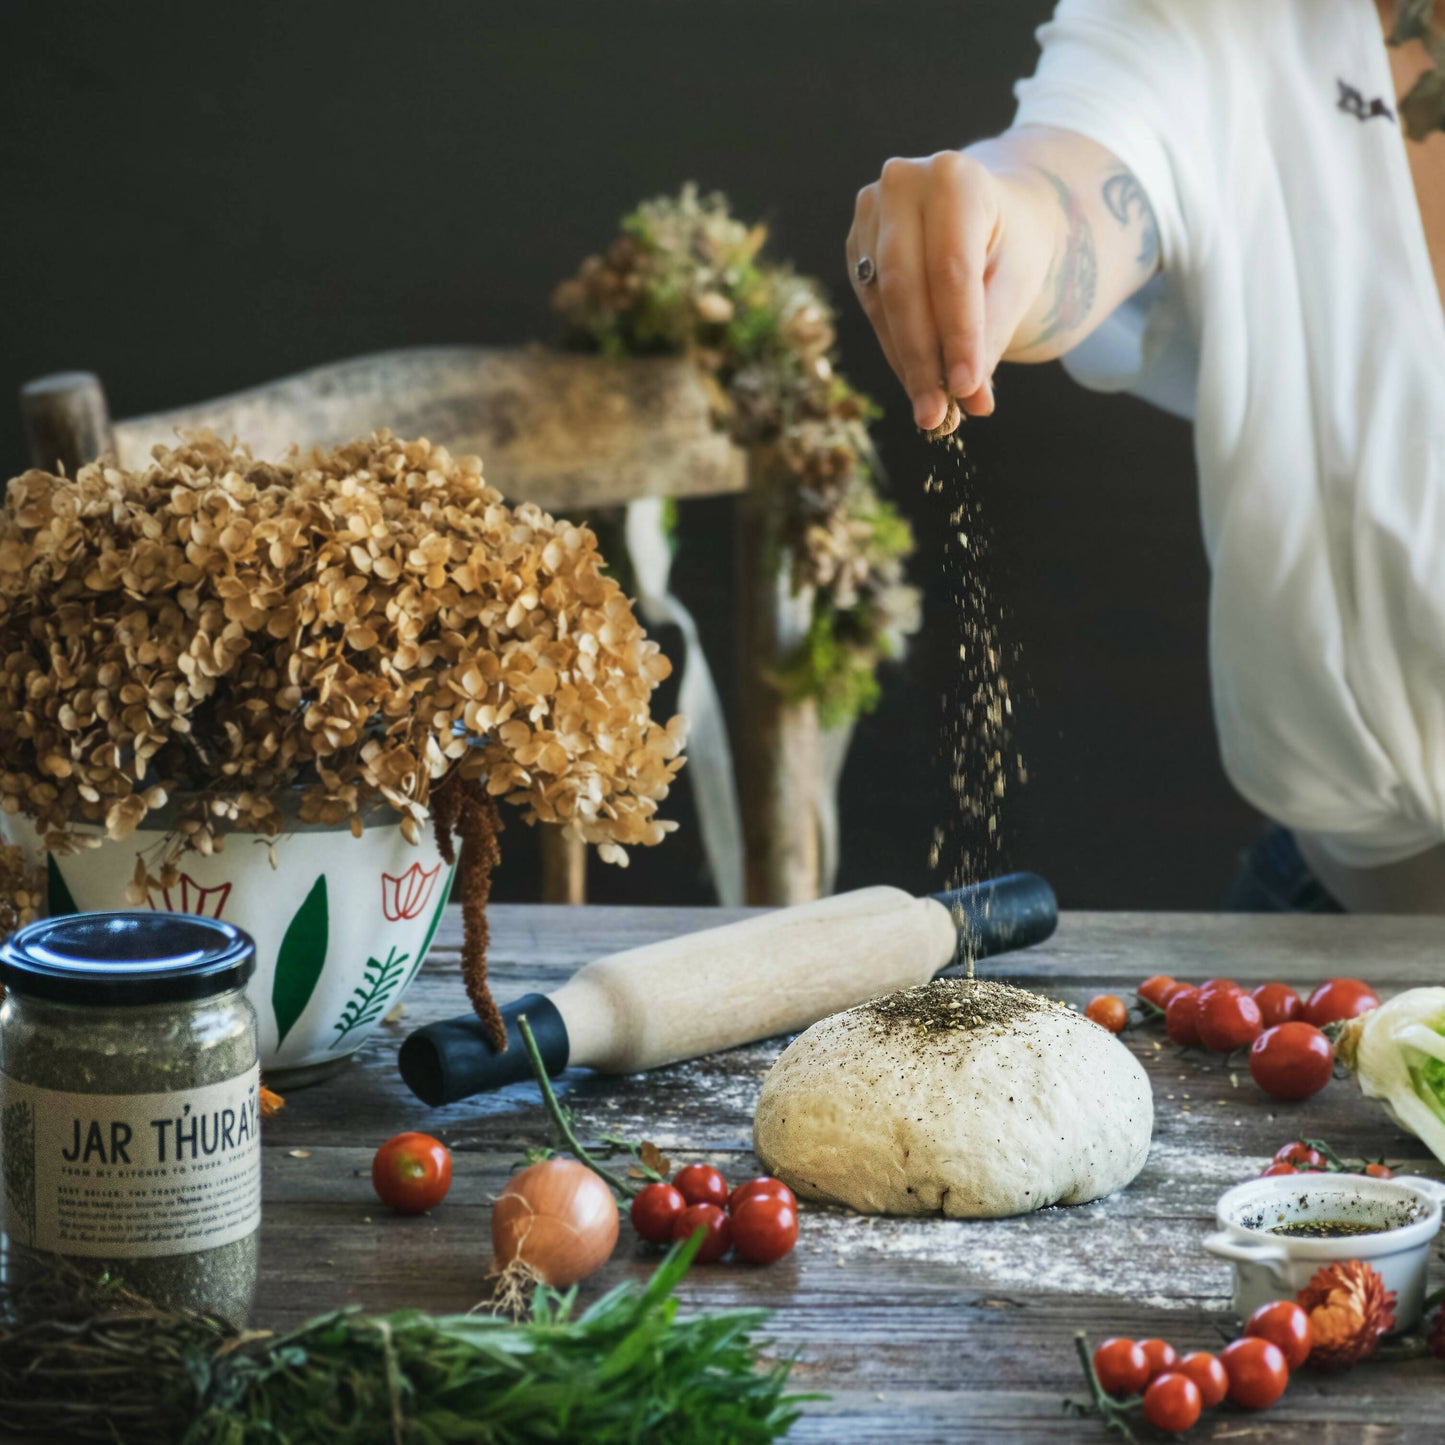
{"points": [[1297, 320]]}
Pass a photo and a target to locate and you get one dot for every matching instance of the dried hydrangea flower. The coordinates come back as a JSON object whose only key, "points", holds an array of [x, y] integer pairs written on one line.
{"points": [[358, 625]]}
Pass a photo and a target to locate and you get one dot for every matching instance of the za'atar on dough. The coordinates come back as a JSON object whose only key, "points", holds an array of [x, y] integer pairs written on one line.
{"points": [[969, 1099]]}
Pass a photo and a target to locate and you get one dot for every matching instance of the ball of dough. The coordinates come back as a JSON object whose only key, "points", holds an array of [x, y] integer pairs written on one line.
{"points": [[970, 1099]]}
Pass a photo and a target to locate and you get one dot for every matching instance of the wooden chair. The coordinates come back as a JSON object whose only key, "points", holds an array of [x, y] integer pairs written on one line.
{"points": [[568, 432]]}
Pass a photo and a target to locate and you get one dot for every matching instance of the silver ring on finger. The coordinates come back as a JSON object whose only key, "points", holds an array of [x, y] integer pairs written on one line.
{"points": [[865, 270]]}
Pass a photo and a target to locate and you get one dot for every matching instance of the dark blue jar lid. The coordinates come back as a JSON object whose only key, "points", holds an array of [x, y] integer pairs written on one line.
{"points": [[126, 959]]}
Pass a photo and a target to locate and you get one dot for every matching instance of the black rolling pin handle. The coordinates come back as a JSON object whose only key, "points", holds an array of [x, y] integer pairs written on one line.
{"points": [[452, 1060], [1002, 914]]}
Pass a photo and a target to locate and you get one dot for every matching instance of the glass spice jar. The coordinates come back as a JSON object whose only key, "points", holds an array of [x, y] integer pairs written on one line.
{"points": [[130, 1114]]}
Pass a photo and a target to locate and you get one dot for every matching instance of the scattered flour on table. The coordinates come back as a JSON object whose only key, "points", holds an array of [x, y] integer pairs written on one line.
{"points": [[1107, 1248]]}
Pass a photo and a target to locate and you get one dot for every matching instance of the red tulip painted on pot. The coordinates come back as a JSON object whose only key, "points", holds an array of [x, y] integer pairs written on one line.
{"points": [[404, 896], [188, 896]]}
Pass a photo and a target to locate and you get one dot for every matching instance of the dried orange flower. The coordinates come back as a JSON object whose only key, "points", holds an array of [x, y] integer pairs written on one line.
{"points": [[358, 625], [1350, 1310]]}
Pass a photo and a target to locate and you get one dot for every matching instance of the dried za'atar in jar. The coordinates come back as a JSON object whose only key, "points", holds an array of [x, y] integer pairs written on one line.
{"points": [[130, 1105]]}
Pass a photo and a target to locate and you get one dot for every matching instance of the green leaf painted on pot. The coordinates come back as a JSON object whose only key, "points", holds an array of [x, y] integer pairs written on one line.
{"points": [[431, 933], [301, 958], [57, 894]]}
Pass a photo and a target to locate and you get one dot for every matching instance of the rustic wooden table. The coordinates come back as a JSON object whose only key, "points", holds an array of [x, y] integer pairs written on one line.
{"points": [[917, 1329]]}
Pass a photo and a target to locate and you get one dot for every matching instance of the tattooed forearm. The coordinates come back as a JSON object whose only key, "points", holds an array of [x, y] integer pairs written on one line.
{"points": [[1127, 203], [1073, 271]]}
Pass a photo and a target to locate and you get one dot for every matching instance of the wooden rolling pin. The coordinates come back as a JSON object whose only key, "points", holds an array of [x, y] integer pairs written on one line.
{"points": [[689, 996]]}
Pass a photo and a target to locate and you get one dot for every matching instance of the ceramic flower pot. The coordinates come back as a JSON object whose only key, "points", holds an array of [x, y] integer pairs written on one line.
{"points": [[341, 924]]}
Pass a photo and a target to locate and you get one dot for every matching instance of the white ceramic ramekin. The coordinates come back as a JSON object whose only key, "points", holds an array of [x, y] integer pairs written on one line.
{"points": [[1406, 1211]]}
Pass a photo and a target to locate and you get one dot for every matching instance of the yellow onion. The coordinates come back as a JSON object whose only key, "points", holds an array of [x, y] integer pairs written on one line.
{"points": [[558, 1218]]}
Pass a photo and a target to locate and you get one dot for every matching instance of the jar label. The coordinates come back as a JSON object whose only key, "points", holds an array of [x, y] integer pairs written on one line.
{"points": [[130, 1176]]}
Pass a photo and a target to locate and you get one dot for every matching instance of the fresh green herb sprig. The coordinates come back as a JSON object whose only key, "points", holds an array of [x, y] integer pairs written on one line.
{"points": [[99, 1363]]}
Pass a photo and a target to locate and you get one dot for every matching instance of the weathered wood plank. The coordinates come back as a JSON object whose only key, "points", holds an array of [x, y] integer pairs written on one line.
{"points": [[565, 431], [919, 1329]]}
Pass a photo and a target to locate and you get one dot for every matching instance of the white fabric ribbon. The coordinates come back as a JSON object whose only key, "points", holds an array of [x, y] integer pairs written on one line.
{"points": [[710, 757]]}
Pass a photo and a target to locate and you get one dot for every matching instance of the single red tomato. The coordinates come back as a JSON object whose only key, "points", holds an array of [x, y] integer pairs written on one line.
{"points": [[763, 1184], [765, 1228], [1379, 1171], [1281, 1166], [1282, 1322], [412, 1173], [1109, 1012], [1339, 998], [1155, 989], [1257, 1372], [1301, 1155], [1172, 1402], [1181, 1018], [655, 1208], [1160, 1354], [1122, 1367], [1278, 1003], [701, 1184], [1212, 986], [719, 1234], [1206, 1372], [1227, 1021], [1292, 1061]]}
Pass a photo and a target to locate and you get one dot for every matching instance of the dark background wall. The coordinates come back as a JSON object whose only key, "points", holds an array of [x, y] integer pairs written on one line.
{"points": [[199, 197]]}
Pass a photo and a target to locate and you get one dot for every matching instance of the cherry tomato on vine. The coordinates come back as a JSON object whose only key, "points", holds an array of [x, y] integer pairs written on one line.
{"points": [[1109, 1012], [701, 1184], [1160, 1354], [719, 1236], [1283, 1323], [765, 1228], [1280, 1166], [1339, 998], [1181, 1018], [1122, 1367], [1227, 1021], [655, 1208], [1379, 1171], [1300, 1154], [1257, 1372], [1292, 1061], [764, 1184], [1172, 1402], [1156, 989], [1206, 1372], [1278, 1003], [411, 1173]]}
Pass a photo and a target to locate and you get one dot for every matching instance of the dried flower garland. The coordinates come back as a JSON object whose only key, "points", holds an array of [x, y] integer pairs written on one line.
{"points": [[686, 277], [367, 627]]}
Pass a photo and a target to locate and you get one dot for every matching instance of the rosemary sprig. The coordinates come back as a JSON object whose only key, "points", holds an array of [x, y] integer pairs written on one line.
{"points": [[98, 1363]]}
